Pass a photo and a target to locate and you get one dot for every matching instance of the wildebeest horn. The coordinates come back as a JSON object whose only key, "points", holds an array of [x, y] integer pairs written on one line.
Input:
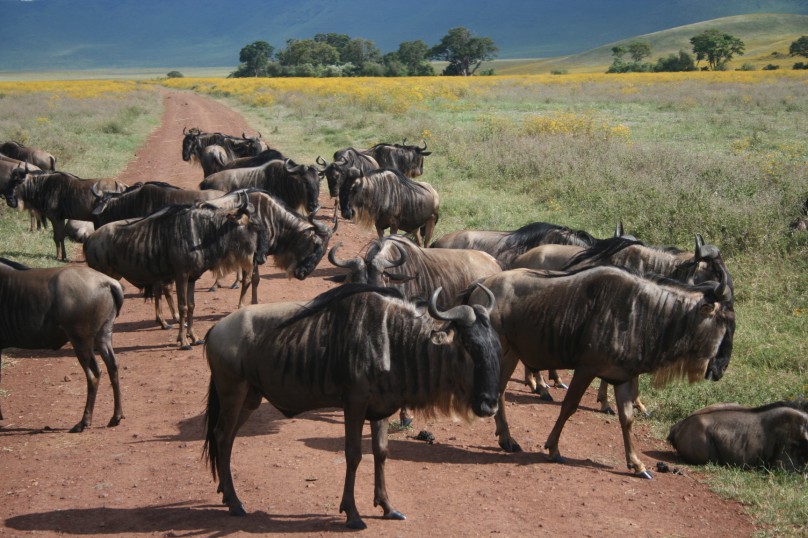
{"points": [[94, 190], [423, 148], [618, 230], [342, 161], [291, 167], [322, 162], [354, 264], [722, 290], [402, 257], [404, 143], [320, 228], [462, 314], [260, 135], [699, 241], [184, 128], [243, 135]]}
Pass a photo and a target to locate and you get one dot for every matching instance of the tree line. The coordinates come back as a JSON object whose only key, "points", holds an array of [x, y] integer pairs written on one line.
{"points": [[715, 47], [340, 55]]}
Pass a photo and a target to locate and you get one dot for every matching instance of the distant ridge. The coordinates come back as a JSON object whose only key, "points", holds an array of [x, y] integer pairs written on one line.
{"points": [[61, 35]]}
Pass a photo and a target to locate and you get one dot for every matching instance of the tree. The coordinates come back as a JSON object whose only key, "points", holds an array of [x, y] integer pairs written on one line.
{"points": [[308, 51], [673, 62], [716, 47], [799, 47], [638, 50], [464, 52], [359, 51], [174, 74], [255, 57]]}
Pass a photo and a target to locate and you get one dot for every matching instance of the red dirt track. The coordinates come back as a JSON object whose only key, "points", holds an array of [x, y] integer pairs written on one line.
{"points": [[146, 476]]}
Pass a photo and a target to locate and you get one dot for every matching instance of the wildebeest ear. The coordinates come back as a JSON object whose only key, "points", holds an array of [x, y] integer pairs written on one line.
{"points": [[399, 279], [239, 217], [708, 310], [442, 338]]}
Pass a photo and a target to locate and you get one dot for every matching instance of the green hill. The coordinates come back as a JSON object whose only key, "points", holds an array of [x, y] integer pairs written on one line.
{"points": [[767, 38]]}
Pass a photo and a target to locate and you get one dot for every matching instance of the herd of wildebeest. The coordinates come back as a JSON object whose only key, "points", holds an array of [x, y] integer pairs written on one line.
{"points": [[432, 327]]}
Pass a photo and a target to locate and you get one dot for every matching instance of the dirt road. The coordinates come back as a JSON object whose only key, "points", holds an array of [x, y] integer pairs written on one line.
{"points": [[146, 476]]}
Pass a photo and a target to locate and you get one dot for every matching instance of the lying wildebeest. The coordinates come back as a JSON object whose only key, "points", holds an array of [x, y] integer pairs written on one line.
{"points": [[773, 435], [506, 246], [297, 185], [38, 157], [178, 243], [606, 322], [194, 140], [417, 272], [700, 265], [297, 243], [57, 196], [344, 159], [386, 198], [356, 347], [409, 160], [46, 308]]}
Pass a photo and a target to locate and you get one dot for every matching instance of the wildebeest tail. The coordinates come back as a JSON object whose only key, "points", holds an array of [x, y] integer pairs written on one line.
{"points": [[210, 450], [117, 295]]}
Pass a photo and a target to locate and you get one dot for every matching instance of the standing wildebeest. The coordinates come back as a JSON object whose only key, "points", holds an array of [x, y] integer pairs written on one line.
{"points": [[344, 160], [386, 198], [409, 160], [356, 347], [7, 166], [773, 435], [57, 196], [178, 243], [417, 272], [703, 264], [38, 157], [297, 243], [606, 322], [46, 308], [194, 140], [297, 185]]}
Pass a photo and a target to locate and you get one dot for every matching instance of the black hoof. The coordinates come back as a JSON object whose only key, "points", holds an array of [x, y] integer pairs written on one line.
{"points": [[607, 411], [558, 458], [645, 474], [237, 511], [166, 327], [78, 428], [358, 525], [545, 397], [510, 446], [234, 287], [561, 385], [395, 514], [406, 423], [199, 342], [213, 288], [185, 348]]}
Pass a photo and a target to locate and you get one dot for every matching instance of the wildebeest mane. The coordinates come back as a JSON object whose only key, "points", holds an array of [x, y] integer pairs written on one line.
{"points": [[322, 301], [536, 233], [600, 250]]}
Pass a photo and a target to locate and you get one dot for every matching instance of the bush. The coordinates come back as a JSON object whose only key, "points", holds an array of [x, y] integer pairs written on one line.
{"points": [[174, 74], [746, 67], [801, 65], [771, 67], [558, 72]]}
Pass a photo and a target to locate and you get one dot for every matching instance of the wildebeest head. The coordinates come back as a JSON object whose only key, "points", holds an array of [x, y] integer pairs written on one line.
{"points": [[256, 236], [481, 342], [188, 142], [349, 187], [18, 176], [309, 177], [300, 259], [333, 173], [409, 160], [371, 270]]}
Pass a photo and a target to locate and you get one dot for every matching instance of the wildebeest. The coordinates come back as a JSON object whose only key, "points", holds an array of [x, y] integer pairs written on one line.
{"points": [[407, 159], [38, 157], [606, 322], [297, 243], [78, 230], [57, 196], [142, 199], [773, 435], [7, 166], [700, 265], [417, 272], [297, 185], [386, 198], [46, 308], [356, 347], [178, 243], [344, 159], [194, 140]]}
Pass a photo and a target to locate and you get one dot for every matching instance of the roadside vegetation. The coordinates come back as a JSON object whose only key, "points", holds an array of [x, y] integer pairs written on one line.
{"points": [[721, 154]]}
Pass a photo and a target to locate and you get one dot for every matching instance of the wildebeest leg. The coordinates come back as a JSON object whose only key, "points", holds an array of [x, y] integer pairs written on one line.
{"points": [[237, 402], [553, 374], [507, 365], [354, 420], [158, 310], [428, 230], [84, 352], [603, 398], [578, 385], [256, 279], [59, 234], [1, 379], [405, 417], [181, 285], [535, 381], [378, 432], [190, 319], [170, 301], [104, 347], [625, 394]]}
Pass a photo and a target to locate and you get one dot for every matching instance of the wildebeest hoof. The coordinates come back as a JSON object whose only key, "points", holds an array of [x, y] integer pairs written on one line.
{"points": [[213, 288], [166, 327], [644, 474], [558, 458], [237, 511], [510, 446], [234, 286], [78, 428], [607, 411], [560, 385], [357, 524], [186, 347], [395, 514], [545, 396], [114, 421], [198, 342], [406, 423]]}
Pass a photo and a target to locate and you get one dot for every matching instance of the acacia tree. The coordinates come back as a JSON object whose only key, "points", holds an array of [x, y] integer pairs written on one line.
{"points": [[254, 59], [464, 52], [799, 47], [638, 50], [716, 47]]}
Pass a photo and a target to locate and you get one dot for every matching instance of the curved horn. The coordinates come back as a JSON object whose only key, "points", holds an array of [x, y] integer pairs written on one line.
{"points": [[402, 257], [354, 264], [184, 129], [260, 135], [322, 162], [404, 143], [618, 230], [320, 228], [243, 135], [721, 289], [291, 167], [492, 301], [699, 241], [462, 314], [94, 190], [423, 148]]}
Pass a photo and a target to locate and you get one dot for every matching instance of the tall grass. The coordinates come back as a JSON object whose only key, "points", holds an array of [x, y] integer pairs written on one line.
{"points": [[719, 154]]}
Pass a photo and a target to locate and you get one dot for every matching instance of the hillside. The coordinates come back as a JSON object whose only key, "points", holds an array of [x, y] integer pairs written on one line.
{"points": [[60, 35], [765, 35]]}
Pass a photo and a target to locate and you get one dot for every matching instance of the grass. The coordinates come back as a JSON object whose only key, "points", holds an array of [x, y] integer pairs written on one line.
{"points": [[720, 154]]}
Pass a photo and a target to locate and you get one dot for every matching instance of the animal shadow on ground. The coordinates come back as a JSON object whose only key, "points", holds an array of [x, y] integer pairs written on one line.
{"points": [[188, 518]]}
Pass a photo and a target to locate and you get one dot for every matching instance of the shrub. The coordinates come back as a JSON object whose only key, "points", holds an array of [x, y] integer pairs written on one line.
{"points": [[174, 74], [771, 67]]}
